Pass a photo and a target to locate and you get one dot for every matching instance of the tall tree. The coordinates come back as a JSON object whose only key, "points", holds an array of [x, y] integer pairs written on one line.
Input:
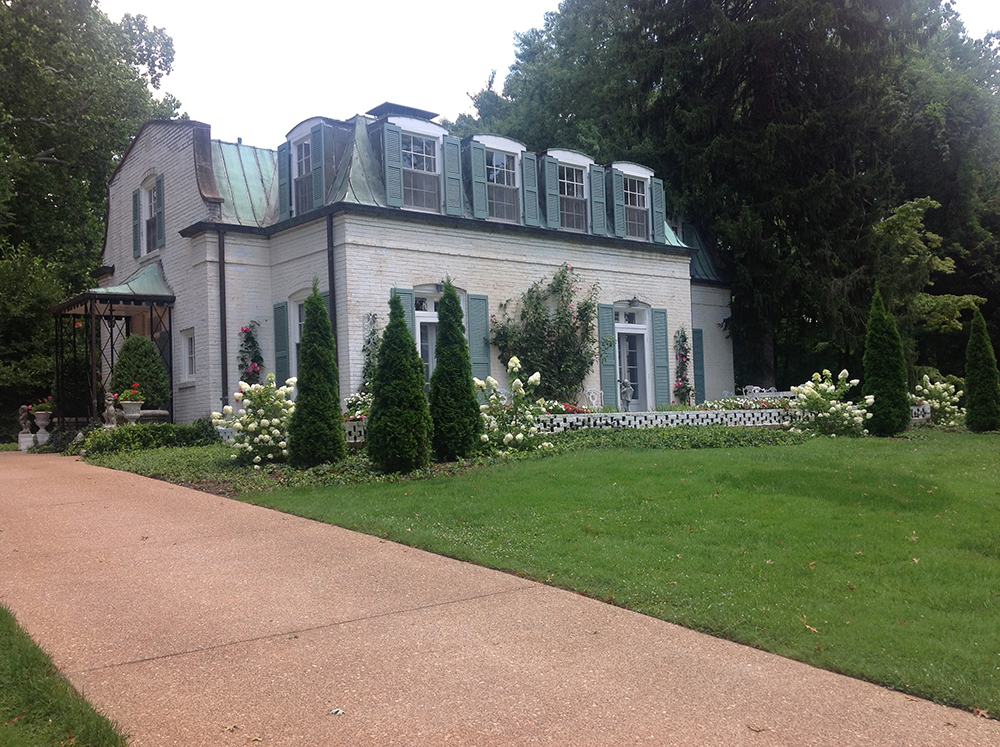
{"points": [[316, 430], [885, 373], [398, 431], [453, 406], [982, 381], [789, 130], [73, 92]]}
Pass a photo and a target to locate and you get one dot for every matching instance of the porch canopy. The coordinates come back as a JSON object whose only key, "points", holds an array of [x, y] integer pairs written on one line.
{"points": [[90, 328]]}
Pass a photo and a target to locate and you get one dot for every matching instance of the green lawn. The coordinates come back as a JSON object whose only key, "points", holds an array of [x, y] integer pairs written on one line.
{"points": [[38, 708], [878, 558]]}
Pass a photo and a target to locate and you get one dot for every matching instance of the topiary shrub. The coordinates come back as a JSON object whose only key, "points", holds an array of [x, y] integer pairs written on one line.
{"points": [[453, 406], [316, 430], [397, 434], [885, 373], [982, 381], [139, 362]]}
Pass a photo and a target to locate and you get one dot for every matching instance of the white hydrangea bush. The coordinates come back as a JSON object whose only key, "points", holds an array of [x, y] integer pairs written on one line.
{"points": [[511, 426], [260, 423], [821, 402], [943, 400]]}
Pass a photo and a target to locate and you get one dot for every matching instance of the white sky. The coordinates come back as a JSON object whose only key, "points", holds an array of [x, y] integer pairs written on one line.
{"points": [[255, 69]]}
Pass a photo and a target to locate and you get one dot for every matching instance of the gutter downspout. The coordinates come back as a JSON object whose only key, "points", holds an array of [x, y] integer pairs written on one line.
{"points": [[223, 346], [330, 281]]}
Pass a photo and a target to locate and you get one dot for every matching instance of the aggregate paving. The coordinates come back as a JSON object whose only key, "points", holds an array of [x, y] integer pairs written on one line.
{"points": [[195, 620]]}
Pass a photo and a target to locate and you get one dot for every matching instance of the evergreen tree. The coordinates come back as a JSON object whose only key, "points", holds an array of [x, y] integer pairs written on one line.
{"points": [[885, 373], [453, 407], [139, 362], [982, 381], [397, 433], [316, 430]]}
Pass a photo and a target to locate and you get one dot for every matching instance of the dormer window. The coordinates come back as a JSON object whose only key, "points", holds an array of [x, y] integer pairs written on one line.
{"points": [[501, 187], [148, 228], [636, 212], [572, 201], [420, 174], [635, 202], [303, 177]]}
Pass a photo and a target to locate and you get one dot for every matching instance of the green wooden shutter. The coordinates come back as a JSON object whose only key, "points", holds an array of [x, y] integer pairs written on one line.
{"points": [[480, 197], [451, 173], [479, 335], [284, 181], [281, 370], [392, 157], [161, 228], [529, 188], [698, 354], [550, 183], [137, 223], [598, 205], [659, 211], [316, 162], [606, 347], [325, 295], [616, 199], [406, 296], [661, 357]]}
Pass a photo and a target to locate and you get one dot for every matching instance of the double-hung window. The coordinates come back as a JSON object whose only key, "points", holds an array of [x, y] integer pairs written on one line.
{"points": [[150, 211], [572, 202], [636, 212], [303, 177], [502, 198], [421, 183]]}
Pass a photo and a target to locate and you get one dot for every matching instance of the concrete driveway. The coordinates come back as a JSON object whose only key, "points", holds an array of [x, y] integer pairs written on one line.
{"points": [[196, 620]]}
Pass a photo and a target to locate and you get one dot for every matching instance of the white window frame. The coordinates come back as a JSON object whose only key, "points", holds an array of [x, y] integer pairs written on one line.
{"points": [[425, 300], [572, 193], [502, 180], [189, 357], [147, 224], [302, 182], [636, 205], [635, 318], [417, 170]]}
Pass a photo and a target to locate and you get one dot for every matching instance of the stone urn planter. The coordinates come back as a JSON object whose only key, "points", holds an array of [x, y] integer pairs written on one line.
{"points": [[131, 411], [42, 420]]}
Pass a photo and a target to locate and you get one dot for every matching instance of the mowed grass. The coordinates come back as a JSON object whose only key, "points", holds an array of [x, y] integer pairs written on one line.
{"points": [[872, 557], [38, 707]]}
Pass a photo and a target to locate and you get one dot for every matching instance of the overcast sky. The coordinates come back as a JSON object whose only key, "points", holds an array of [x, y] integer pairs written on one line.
{"points": [[254, 69]]}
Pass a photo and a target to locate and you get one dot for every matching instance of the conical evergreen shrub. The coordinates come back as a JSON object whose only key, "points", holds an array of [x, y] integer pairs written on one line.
{"points": [[885, 373], [316, 430], [453, 406], [397, 433], [982, 381], [138, 362]]}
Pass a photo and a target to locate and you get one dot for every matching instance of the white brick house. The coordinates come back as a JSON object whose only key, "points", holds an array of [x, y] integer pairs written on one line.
{"points": [[390, 202]]}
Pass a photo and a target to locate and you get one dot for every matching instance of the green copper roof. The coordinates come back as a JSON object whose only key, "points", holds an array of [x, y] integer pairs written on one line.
{"points": [[358, 178], [147, 281], [248, 183], [703, 267]]}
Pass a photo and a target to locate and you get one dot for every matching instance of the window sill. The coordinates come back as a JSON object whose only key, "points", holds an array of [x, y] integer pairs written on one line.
{"points": [[153, 256], [187, 385]]}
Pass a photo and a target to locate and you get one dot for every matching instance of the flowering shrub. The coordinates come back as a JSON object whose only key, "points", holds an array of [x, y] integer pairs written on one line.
{"points": [[511, 426], [251, 359], [552, 330], [749, 403], [131, 395], [943, 399], [824, 410], [682, 355], [358, 405], [261, 423], [567, 408]]}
